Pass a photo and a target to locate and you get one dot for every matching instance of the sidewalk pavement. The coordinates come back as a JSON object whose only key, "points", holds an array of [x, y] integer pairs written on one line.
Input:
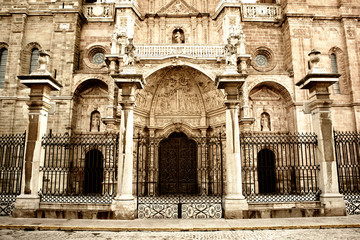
{"points": [[170, 225]]}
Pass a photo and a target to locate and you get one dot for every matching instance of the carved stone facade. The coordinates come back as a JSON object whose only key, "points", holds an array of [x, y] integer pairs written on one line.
{"points": [[179, 48]]}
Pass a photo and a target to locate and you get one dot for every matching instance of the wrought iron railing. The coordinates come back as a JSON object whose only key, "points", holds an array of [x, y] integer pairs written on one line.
{"points": [[347, 150], [279, 167], [79, 168], [12, 149]]}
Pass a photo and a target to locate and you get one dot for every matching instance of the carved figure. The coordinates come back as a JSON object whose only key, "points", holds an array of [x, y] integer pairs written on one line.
{"points": [[242, 43], [44, 59], [114, 40], [178, 37], [230, 53], [129, 56], [265, 122], [95, 122]]}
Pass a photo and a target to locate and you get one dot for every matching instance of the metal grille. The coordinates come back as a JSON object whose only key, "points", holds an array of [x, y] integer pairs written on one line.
{"points": [[347, 150], [279, 167], [79, 168], [11, 166], [196, 165]]}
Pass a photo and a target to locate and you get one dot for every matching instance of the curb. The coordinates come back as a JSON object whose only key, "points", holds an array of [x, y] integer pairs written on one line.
{"points": [[170, 229]]}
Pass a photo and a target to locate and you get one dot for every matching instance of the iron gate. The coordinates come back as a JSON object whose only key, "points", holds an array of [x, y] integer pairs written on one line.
{"points": [[279, 167], [347, 150], [12, 149], [179, 177]]}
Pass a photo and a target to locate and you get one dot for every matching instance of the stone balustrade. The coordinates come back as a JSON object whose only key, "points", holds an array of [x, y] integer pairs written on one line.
{"points": [[261, 12], [99, 11], [191, 51]]}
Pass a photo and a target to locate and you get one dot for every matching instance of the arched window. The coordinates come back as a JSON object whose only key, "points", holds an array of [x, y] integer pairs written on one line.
{"points": [[334, 69], [34, 60], [3, 59]]}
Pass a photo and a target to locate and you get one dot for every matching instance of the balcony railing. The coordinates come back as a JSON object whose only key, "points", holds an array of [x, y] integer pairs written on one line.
{"points": [[190, 51], [99, 11], [261, 12]]}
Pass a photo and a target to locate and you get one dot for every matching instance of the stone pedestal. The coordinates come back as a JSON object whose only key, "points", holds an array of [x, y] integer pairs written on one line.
{"points": [[124, 204], [41, 85], [234, 202], [320, 106]]}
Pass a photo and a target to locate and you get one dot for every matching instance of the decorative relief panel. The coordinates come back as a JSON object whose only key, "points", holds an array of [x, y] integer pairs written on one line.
{"points": [[177, 95], [178, 7]]}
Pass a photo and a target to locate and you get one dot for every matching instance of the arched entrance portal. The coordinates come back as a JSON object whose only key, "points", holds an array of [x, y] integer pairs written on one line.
{"points": [[178, 165], [93, 172], [266, 171]]}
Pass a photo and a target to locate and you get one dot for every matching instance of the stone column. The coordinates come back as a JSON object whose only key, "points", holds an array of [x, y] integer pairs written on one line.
{"points": [[317, 81], [124, 204], [41, 84], [234, 202]]}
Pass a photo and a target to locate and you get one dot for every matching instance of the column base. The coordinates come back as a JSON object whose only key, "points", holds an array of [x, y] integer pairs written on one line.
{"points": [[334, 204], [26, 206], [235, 206], [124, 207]]}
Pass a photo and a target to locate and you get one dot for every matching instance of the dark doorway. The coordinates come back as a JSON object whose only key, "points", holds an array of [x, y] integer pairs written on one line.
{"points": [[94, 171], [178, 165], [266, 171]]}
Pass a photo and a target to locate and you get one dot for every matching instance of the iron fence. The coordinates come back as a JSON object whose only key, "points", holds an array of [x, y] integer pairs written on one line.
{"points": [[179, 177], [12, 149], [279, 167], [79, 168], [347, 150]]}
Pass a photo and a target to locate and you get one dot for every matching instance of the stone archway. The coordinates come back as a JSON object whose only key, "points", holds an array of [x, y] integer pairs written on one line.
{"points": [[272, 107], [179, 94], [89, 97]]}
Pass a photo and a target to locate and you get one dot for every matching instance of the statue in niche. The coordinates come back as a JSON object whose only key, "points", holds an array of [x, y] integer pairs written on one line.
{"points": [[242, 43], [230, 53], [178, 36], [129, 56], [265, 122], [114, 40], [95, 122]]}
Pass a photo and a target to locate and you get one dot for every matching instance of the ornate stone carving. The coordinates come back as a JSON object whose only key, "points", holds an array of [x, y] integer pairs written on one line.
{"points": [[265, 94], [178, 7], [265, 122], [177, 94], [230, 53], [129, 56]]}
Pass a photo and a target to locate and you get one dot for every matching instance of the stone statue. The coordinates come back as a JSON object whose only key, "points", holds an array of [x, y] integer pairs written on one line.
{"points": [[178, 37], [230, 53], [242, 43], [95, 122], [265, 122], [129, 56], [44, 59], [114, 40]]}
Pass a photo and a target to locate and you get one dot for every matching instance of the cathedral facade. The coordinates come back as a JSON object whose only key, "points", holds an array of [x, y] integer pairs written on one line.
{"points": [[179, 108]]}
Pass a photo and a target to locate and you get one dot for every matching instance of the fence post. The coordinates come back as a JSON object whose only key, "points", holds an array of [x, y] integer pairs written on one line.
{"points": [[124, 204], [41, 83], [317, 81]]}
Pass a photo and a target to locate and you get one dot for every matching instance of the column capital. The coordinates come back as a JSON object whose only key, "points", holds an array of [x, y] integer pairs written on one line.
{"points": [[231, 84]]}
